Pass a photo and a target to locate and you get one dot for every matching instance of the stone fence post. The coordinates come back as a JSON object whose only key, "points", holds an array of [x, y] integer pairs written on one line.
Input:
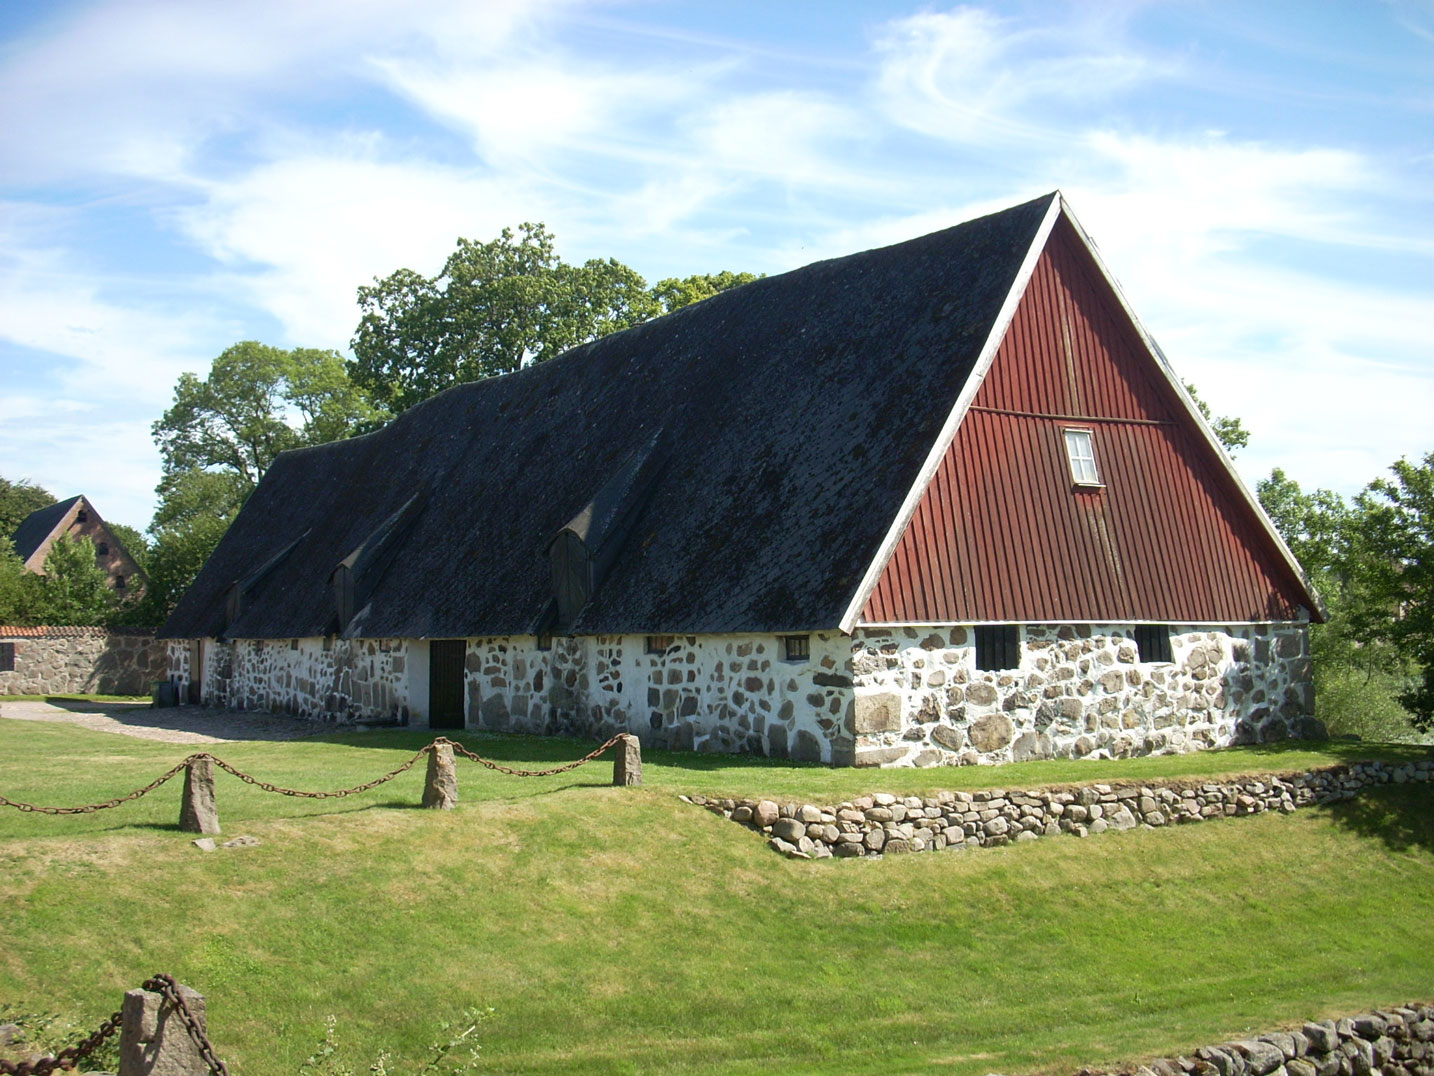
{"points": [[153, 1038], [627, 761], [198, 814], [440, 789]]}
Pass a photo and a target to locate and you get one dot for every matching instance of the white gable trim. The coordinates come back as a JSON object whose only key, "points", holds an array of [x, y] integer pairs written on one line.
{"points": [[1163, 364], [953, 420]]}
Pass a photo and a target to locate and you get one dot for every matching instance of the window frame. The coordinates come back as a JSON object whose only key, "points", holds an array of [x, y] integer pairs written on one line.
{"points": [[1077, 462], [1152, 637], [7, 657], [658, 644], [796, 648], [997, 642]]}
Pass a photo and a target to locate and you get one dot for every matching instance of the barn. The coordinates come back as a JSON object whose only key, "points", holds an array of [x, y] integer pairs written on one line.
{"points": [[943, 502]]}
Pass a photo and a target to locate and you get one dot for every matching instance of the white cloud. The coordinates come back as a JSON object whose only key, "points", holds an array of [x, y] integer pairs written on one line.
{"points": [[302, 233], [968, 75]]}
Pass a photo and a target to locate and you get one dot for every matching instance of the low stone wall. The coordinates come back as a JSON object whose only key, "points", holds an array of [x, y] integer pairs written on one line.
{"points": [[1392, 1041], [66, 660], [885, 824]]}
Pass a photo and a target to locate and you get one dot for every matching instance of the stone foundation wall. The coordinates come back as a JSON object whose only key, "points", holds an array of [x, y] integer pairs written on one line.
{"points": [[338, 680], [1080, 691], [885, 824], [63, 660], [889, 697], [725, 693]]}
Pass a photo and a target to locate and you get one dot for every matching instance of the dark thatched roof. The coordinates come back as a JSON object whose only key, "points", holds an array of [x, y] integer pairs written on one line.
{"points": [[794, 415], [38, 526]]}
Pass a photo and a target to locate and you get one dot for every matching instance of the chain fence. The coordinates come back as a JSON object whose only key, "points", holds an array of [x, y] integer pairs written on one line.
{"points": [[70, 1057], [265, 786]]}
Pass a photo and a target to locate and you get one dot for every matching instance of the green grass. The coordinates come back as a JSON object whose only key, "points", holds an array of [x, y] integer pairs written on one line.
{"points": [[623, 931], [73, 698]]}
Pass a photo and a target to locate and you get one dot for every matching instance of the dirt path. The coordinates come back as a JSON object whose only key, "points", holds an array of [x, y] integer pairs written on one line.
{"points": [[176, 724]]}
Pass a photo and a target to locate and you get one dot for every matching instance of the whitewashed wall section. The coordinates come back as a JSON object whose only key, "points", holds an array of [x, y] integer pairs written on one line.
{"points": [[1080, 691], [723, 693], [339, 680]]}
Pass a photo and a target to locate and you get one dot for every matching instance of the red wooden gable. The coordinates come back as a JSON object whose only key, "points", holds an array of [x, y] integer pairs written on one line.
{"points": [[1003, 534]]}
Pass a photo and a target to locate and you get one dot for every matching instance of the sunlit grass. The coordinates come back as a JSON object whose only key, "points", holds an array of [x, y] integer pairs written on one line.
{"points": [[622, 931]]}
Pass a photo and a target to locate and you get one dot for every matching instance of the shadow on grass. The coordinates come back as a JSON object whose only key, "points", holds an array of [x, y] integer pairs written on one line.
{"points": [[1402, 816]]}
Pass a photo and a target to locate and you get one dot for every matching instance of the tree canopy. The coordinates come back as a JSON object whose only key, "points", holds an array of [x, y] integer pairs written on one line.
{"points": [[18, 500], [494, 308], [256, 402], [1228, 430]]}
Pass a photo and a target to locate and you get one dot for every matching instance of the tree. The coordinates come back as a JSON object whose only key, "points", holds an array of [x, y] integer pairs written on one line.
{"points": [[1228, 430], [496, 307], [16, 587], [674, 293], [218, 439], [18, 500], [256, 402], [74, 589], [1369, 560], [135, 543], [1395, 569]]}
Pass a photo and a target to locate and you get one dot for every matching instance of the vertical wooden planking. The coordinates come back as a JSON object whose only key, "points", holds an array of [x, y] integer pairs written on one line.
{"points": [[1001, 533]]}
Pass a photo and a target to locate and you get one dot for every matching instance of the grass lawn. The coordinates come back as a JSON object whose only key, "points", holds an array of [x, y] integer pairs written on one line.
{"points": [[622, 931]]}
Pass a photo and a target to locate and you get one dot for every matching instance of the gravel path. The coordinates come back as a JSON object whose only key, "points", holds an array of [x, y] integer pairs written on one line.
{"points": [[176, 724]]}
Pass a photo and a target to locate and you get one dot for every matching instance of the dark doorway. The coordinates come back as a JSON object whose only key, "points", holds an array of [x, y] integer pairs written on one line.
{"points": [[445, 683]]}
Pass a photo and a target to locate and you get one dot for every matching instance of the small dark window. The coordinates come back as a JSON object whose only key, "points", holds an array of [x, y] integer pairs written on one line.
{"points": [[998, 646], [796, 647], [7, 657], [293, 644], [545, 642], [102, 549], [119, 582], [1152, 641], [82, 516], [658, 644], [328, 643]]}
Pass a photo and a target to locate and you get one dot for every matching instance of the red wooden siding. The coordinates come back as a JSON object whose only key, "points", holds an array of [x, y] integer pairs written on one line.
{"points": [[1001, 534]]}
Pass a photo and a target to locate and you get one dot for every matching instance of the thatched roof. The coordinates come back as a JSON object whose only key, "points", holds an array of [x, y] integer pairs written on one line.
{"points": [[794, 415]]}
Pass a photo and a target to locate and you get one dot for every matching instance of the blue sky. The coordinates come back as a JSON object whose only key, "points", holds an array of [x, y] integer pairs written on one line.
{"points": [[175, 177]]}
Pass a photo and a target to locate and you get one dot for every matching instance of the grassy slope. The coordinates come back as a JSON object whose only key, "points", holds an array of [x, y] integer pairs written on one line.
{"points": [[623, 931]]}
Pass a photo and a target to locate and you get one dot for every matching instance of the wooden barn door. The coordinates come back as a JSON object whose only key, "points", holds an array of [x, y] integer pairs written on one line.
{"points": [[445, 683]]}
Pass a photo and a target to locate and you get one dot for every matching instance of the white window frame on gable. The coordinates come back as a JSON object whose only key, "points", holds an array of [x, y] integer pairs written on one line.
{"points": [[1080, 453]]}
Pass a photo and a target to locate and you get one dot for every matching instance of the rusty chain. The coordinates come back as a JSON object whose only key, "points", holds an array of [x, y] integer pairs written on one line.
{"points": [[250, 779], [71, 1056], [460, 749], [165, 985], [92, 807], [67, 1058]]}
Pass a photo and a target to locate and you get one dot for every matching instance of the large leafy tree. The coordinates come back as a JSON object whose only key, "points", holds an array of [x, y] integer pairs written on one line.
{"points": [[1228, 430], [1395, 572], [674, 293], [220, 436], [256, 402], [18, 500], [496, 307], [74, 589]]}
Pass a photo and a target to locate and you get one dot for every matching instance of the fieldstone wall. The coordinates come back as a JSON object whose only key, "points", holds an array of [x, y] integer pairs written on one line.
{"points": [[885, 824], [339, 680], [725, 693], [65, 660], [881, 697], [1392, 1042], [1080, 691]]}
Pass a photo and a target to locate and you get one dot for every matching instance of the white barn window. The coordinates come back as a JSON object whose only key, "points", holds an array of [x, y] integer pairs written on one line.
{"points": [[1081, 452]]}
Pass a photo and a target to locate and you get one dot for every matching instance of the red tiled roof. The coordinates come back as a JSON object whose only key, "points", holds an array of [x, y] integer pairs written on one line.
{"points": [[67, 631]]}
